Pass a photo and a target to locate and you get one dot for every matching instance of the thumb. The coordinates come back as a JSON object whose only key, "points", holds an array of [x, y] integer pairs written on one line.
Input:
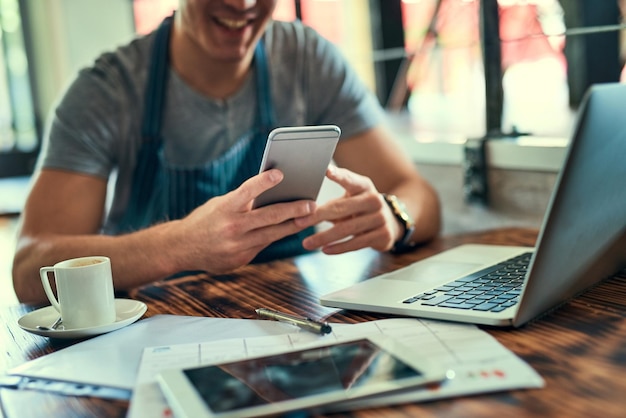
{"points": [[253, 187]]}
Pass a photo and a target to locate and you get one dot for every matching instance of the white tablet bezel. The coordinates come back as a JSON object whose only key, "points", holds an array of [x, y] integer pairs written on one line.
{"points": [[185, 401]]}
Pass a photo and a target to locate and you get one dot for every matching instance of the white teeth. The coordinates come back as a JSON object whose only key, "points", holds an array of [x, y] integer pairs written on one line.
{"points": [[233, 24]]}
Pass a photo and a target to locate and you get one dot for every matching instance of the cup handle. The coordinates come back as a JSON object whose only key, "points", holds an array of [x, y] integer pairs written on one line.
{"points": [[43, 272]]}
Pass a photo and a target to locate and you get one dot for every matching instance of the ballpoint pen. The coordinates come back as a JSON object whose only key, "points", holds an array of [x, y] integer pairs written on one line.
{"points": [[306, 324]]}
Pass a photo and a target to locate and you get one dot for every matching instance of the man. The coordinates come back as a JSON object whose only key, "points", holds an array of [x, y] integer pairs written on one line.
{"points": [[181, 117]]}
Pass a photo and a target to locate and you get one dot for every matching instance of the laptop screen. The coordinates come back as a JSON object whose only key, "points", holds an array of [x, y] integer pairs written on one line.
{"points": [[583, 239]]}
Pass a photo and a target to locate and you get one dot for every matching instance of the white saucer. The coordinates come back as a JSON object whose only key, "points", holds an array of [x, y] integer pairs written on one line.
{"points": [[127, 312]]}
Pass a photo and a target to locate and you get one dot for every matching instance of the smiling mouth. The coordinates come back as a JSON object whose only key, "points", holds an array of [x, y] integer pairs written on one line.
{"points": [[233, 24]]}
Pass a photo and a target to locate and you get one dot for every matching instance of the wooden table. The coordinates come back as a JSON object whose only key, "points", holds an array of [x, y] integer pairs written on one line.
{"points": [[580, 349]]}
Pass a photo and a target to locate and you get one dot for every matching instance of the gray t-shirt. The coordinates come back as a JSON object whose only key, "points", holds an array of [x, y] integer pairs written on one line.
{"points": [[96, 129]]}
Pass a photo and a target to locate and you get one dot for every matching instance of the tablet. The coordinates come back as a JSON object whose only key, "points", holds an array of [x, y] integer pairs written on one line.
{"points": [[302, 153], [306, 379]]}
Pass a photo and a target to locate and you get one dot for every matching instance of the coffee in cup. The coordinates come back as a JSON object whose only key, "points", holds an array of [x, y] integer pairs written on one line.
{"points": [[84, 289]]}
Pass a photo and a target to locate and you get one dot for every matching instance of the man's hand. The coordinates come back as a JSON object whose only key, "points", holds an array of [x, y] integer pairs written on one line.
{"points": [[359, 219], [226, 233]]}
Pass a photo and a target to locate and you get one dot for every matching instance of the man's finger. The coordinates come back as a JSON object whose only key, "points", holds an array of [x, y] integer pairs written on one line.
{"points": [[353, 183], [253, 187], [278, 213]]}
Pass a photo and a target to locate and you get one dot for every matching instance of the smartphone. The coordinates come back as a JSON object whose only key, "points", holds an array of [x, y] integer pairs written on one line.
{"points": [[313, 378], [303, 154]]}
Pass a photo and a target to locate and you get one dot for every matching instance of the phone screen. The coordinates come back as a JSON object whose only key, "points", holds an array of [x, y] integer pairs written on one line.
{"points": [[254, 382]]}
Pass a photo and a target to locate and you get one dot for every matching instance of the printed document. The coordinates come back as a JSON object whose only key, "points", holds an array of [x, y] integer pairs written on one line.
{"points": [[480, 362]]}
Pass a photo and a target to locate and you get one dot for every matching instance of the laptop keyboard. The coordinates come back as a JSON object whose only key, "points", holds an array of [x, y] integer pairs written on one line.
{"points": [[493, 289]]}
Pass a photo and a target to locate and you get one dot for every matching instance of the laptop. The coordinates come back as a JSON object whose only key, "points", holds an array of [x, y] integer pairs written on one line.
{"points": [[581, 242]]}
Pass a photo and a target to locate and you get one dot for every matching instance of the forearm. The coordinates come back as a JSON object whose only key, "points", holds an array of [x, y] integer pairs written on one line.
{"points": [[136, 259], [217, 237]]}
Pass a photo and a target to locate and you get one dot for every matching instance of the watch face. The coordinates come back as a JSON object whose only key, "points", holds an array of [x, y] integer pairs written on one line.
{"points": [[402, 212], [399, 210]]}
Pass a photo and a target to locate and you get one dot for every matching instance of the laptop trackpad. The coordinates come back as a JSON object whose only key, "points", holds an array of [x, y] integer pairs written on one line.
{"points": [[432, 271]]}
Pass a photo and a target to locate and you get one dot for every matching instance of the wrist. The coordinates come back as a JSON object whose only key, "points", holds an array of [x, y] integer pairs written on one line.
{"points": [[170, 235], [404, 242]]}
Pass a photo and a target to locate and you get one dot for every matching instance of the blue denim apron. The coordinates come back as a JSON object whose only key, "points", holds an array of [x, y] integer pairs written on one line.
{"points": [[161, 192]]}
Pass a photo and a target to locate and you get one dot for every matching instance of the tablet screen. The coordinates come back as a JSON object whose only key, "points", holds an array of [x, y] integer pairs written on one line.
{"points": [[283, 377]]}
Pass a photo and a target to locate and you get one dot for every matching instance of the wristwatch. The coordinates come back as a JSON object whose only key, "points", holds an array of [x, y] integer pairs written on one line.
{"points": [[404, 244]]}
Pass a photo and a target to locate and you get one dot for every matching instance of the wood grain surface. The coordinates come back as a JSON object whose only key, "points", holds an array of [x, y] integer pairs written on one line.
{"points": [[579, 349]]}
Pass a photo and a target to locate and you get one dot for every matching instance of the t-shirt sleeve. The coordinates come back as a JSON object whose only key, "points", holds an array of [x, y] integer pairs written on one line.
{"points": [[335, 92], [82, 132]]}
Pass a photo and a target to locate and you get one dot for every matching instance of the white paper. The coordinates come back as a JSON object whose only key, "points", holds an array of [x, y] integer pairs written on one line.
{"points": [[481, 363], [113, 359]]}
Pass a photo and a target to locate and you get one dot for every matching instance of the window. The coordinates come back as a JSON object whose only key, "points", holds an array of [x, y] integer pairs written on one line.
{"points": [[549, 53], [19, 140], [447, 71], [444, 79]]}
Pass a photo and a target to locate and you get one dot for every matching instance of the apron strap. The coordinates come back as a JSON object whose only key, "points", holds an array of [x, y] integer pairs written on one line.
{"points": [[267, 119], [146, 175], [156, 85]]}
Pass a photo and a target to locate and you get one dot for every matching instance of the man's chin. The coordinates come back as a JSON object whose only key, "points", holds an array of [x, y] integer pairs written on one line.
{"points": [[232, 55]]}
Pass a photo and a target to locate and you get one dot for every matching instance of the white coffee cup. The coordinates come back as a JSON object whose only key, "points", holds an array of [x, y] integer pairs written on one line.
{"points": [[85, 291]]}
